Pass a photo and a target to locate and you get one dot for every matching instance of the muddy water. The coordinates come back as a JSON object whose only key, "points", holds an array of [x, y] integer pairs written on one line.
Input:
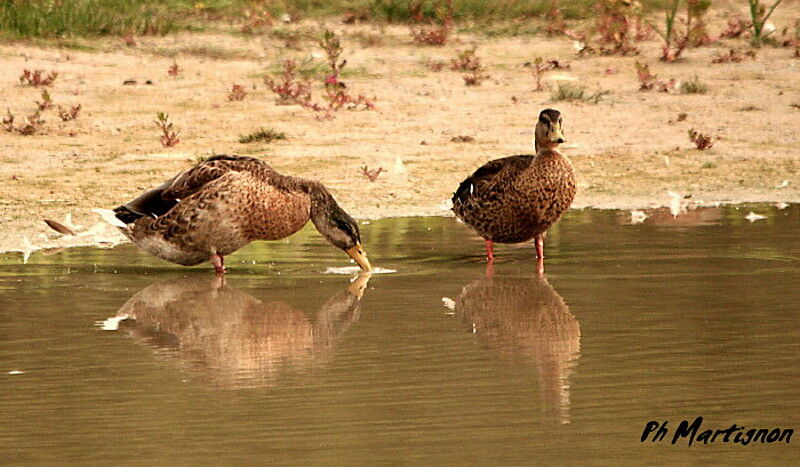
{"points": [[666, 320]]}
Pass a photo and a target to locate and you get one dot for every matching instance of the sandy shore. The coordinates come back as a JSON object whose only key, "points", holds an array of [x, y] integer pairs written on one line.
{"points": [[629, 150]]}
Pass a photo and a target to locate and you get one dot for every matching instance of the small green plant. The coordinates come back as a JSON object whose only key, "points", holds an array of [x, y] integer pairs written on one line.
{"points": [[693, 86], [575, 92], [734, 56], [37, 78], [371, 174], [237, 93], [759, 14], [290, 88], [620, 26], [700, 140], [554, 19], [174, 70], [169, 136], [694, 33], [466, 60], [431, 34], [475, 77], [336, 92], [540, 67], [648, 80], [46, 102], [332, 46], [32, 124], [262, 135], [69, 114]]}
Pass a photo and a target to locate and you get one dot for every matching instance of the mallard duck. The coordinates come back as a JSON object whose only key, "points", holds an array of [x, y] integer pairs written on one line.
{"points": [[230, 337], [222, 204], [517, 198], [526, 319]]}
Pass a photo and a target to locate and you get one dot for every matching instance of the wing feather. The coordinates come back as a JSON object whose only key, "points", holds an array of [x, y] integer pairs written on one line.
{"points": [[491, 176]]}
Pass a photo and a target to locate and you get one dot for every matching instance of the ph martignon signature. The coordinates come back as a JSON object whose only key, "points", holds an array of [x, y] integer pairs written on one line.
{"points": [[734, 434]]}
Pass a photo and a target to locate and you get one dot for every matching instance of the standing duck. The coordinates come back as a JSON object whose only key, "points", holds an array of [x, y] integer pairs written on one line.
{"points": [[517, 198], [226, 202]]}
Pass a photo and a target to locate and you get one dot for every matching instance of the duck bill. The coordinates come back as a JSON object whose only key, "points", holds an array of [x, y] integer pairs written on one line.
{"points": [[556, 136], [357, 253], [358, 285]]}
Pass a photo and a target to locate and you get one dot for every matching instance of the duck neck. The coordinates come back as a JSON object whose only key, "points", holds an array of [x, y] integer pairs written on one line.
{"points": [[322, 203], [545, 147]]}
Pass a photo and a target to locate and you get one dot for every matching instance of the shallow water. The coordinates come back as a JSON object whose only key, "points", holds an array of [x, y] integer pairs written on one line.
{"points": [[666, 320]]}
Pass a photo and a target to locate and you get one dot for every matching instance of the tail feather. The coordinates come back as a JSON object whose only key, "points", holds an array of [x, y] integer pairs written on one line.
{"points": [[109, 216], [59, 227]]}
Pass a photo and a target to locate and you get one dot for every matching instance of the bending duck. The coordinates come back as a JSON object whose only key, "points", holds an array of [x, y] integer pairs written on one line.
{"points": [[517, 198], [222, 204]]}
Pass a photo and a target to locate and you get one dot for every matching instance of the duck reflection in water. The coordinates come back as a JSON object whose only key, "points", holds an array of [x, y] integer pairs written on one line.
{"points": [[233, 338], [526, 319]]}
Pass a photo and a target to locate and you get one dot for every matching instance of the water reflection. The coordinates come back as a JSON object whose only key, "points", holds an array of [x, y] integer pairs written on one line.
{"points": [[231, 337], [526, 319]]}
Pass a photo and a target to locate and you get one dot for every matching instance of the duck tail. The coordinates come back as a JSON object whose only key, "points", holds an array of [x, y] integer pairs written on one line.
{"points": [[114, 218], [59, 227]]}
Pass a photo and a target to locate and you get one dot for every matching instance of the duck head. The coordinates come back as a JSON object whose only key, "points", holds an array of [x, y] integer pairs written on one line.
{"points": [[338, 227], [548, 133]]}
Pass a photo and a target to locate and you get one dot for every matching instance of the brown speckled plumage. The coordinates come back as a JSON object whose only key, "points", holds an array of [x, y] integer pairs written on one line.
{"points": [[226, 202], [229, 335], [516, 198], [526, 319]]}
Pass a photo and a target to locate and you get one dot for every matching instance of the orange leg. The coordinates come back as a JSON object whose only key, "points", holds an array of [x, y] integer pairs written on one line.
{"points": [[489, 250], [540, 253], [219, 264]]}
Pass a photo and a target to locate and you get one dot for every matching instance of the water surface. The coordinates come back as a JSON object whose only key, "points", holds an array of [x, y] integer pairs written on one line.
{"points": [[666, 320]]}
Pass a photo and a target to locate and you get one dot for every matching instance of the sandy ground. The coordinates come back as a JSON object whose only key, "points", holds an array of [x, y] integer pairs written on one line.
{"points": [[628, 150]]}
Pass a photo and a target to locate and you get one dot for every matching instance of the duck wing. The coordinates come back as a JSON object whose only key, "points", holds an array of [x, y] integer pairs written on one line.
{"points": [[191, 181], [160, 200], [492, 177]]}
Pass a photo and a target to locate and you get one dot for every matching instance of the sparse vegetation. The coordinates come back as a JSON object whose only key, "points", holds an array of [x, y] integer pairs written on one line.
{"points": [[69, 114], [737, 27], [466, 60], [475, 77], [169, 136], [262, 135], [292, 89], [693, 86], [462, 139], [63, 18], [735, 56], [700, 140], [32, 124], [174, 70], [237, 93], [618, 27], [423, 32], [37, 78], [759, 14], [693, 34], [648, 80], [575, 92], [371, 174], [46, 102], [554, 19], [540, 67], [289, 86]]}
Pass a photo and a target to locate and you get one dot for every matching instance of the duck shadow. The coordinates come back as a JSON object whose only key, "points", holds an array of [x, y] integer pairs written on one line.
{"points": [[231, 338], [526, 320]]}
